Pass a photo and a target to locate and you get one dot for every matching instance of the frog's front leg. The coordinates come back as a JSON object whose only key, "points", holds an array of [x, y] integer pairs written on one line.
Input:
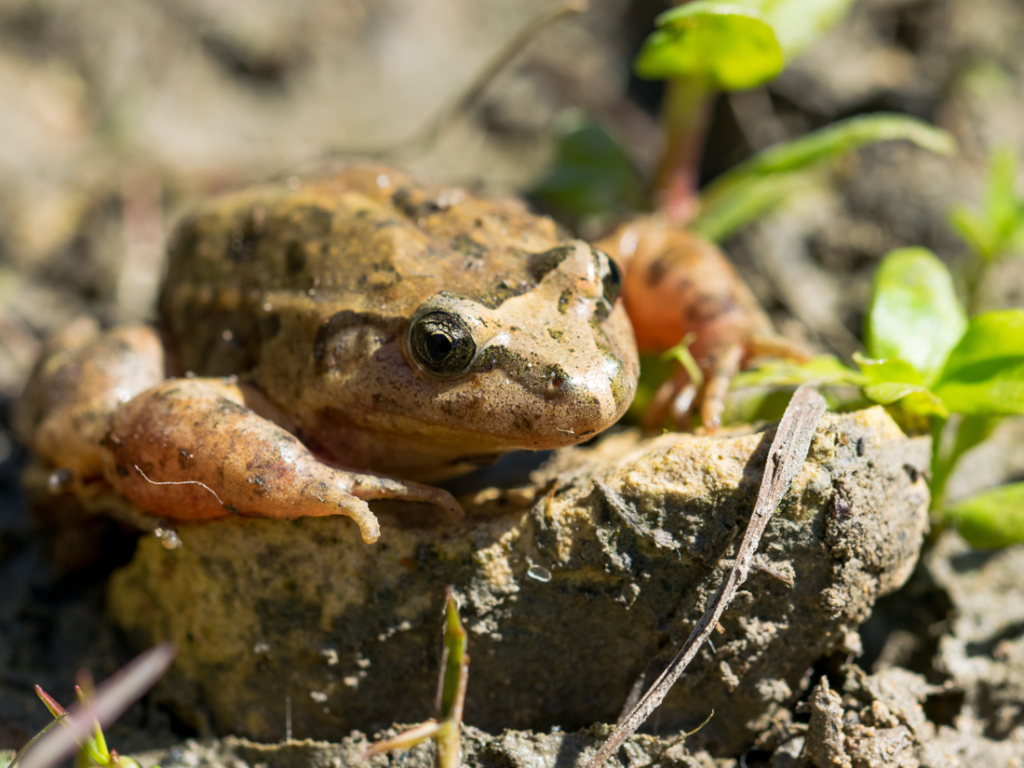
{"points": [[191, 449]]}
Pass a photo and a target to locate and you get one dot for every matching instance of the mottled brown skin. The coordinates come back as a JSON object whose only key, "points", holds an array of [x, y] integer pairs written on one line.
{"points": [[677, 283], [311, 296]]}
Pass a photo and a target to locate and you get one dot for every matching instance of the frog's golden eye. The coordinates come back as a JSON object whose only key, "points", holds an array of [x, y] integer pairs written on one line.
{"points": [[441, 343]]}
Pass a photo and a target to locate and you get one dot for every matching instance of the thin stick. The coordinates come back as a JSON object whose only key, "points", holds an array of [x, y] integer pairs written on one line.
{"points": [[785, 460], [425, 137], [471, 96]]}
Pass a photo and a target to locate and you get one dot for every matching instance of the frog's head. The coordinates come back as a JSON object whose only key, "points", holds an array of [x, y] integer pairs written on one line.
{"points": [[545, 363]]}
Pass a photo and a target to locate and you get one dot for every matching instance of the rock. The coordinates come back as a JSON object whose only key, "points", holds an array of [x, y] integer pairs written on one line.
{"points": [[509, 749], [571, 589]]}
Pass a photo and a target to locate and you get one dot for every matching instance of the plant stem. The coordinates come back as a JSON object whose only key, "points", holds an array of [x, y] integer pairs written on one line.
{"points": [[684, 114]]}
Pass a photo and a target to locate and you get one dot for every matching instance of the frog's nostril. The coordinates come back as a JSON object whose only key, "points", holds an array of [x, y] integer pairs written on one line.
{"points": [[556, 383]]}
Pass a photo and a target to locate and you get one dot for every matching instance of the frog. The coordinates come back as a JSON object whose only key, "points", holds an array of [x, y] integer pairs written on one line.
{"points": [[327, 341]]}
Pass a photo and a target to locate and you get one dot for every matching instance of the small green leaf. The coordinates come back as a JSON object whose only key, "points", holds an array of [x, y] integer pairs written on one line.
{"points": [[999, 227], [974, 230], [823, 369], [751, 188], [591, 175], [889, 392], [969, 432], [1002, 208], [747, 203], [888, 371], [896, 381], [914, 314], [682, 355], [991, 519], [798, 23], [985, 371], [731, 46]]}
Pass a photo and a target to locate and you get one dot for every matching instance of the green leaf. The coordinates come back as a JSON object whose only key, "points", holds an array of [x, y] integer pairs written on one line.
{"points": [[888, 371], [730, 45], [896, 381], [991, 519], [985, 371], [1002, 208], [591, 174], [798, 23], [998, 228], [974, 230], [747, 203], [914, 314], [751, 188], [737, 44], [823, 369], [970, 431]]}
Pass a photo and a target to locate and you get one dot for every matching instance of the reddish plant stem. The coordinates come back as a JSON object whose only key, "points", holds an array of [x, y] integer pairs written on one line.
{"points": [[685, 114]]}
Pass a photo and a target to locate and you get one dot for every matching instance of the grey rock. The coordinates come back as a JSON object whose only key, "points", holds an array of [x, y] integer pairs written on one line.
{"points": [[571, 588]]}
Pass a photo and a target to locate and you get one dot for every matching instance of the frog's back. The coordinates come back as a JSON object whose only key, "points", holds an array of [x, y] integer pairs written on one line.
{"points": [[369, 240]]}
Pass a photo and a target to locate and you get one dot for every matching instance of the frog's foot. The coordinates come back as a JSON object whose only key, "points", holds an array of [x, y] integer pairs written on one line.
{"points": [[676, 398], [190, 449]]}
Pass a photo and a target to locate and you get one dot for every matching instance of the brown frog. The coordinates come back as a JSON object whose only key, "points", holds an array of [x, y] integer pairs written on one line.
{"points": [[330, 341], [351, 337]]}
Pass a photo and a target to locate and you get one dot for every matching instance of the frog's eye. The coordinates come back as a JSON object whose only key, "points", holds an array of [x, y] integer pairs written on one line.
{"points": [[441, 343], [612, 281]]}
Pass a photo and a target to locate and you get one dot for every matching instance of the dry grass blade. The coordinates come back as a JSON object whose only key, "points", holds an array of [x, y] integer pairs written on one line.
{"points": [[111, 699], [405, 740], [785, 459]]}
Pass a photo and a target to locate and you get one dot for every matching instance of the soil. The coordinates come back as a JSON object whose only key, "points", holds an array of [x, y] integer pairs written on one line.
{"points": [[125, 113]]}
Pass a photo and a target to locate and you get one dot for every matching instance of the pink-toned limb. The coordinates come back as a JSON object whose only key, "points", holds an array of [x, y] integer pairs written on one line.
{"points": [[672, 401], [81, 379], [719, 376], [777, 346], [679, 285], [190, 449]]}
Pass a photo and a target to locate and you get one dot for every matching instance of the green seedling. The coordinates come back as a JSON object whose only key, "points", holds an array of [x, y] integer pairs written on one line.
{"points": [[751, 189], [997, 228], [446, 729], [938, 371], [703, 48], [81, 728]]}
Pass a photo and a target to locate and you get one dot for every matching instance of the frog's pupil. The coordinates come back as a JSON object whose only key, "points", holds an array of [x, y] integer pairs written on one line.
{"points": [[439, 345]]}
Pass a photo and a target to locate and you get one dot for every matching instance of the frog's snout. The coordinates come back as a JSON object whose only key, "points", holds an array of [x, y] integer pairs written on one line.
{"points": [[556, 404], [588, 401]]}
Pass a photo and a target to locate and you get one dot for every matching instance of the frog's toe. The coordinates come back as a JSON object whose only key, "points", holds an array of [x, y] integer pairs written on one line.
{"points": [[370, 486]]}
